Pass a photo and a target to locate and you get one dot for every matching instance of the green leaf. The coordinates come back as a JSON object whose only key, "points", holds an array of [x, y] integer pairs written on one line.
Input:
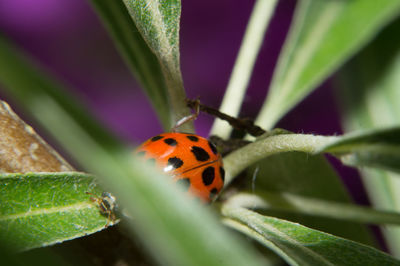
{"points": [[299, 245], [361, 140], [323, 36], [241, 73], [41, 209], [373, 148], [378, 148], [158, 22], [138, 56], [277, 168], [292, 203], [369, 96], [307, 176]]}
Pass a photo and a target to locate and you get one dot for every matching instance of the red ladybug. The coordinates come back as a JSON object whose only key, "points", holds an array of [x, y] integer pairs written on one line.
{"points": [[191, 160]]}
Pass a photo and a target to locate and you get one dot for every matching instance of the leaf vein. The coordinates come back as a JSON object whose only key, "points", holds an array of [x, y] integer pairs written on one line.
{"points": [[68, 208]]}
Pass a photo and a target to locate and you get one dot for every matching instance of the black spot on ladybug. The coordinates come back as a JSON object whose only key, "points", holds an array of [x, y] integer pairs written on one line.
{"points": [[184, 183], [156, 138], [193, 138], [213, 148], [170, 142], [141, 153], [152, 161], [175, 162], [222, 173], [213, 193], [208, 175], [200, 154]]}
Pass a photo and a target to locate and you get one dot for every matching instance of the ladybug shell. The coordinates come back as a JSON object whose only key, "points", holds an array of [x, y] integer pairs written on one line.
{"points": [[191, 160]]}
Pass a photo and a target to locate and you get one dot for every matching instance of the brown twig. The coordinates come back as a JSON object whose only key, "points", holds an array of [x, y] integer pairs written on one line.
{"points": [[244, 124]]}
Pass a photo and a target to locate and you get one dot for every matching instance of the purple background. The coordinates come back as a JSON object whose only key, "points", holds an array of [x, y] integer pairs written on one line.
{"points": [[68, 39]]}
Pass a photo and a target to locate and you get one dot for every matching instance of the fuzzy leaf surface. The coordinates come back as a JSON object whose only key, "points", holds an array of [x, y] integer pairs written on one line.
{"points": [[309, 176], [285, 163], [159, 21], [41, 209], [374, 148], [137, 54], [299, 245]]}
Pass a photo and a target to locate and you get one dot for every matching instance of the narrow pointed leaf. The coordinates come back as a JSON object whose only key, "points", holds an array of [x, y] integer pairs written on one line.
{"points": [[324, 35], [137, 54], [299, 245], [292, 203], [41, 209], [170, 224], [158, 22], [373, 148], [241, 73], [309, 176], [369, 97]]}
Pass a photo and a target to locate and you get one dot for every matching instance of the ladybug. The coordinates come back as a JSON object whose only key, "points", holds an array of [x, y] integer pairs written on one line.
{"points": [[191, 160]]}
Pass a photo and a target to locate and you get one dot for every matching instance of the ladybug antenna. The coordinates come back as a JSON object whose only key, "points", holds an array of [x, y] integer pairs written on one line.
{"points": [[189, 117]]}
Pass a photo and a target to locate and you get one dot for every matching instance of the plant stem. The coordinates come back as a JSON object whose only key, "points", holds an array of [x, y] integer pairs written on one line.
{"points": [[242, 158]]}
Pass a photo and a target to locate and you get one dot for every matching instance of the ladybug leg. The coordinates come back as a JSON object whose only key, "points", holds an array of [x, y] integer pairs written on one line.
{"points": [[189, 117]]}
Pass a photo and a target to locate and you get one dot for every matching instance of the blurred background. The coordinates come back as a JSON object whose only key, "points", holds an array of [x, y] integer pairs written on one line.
{"points": [[68, 39]]}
